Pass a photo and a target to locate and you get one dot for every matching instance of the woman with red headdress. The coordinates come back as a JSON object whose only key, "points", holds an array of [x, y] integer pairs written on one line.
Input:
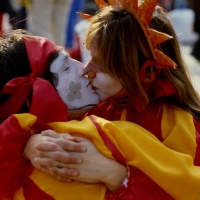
{"points": [[39, 79]]}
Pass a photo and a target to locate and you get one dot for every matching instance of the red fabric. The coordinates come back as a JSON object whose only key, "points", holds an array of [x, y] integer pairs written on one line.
{"points": [[39, 49], [161, 86], [19, 89], [140, 187], [33, 192], [197, 156], [46, 102], [152, 113], [75, 51], [14, 168], [116, 154], [143, 69], [112, 110], [107, 110]]}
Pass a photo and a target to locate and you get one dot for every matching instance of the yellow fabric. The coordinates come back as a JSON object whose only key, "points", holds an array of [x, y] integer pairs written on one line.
{"points": [[26, 121], [72, 191], [172, 169], [57, 189], [19, 195], [178, 131]]}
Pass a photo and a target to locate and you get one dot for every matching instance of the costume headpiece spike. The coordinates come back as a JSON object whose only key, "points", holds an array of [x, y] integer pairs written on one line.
{"points": [[85, 16], [164, 60], [143, 13], [100, 3], [112, 2], [146, 9], [158, 37]]}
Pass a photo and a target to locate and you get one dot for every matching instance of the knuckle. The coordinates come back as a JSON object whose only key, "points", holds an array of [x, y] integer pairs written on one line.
{"points": [[54, 171], [66, 173], [49, 162]]}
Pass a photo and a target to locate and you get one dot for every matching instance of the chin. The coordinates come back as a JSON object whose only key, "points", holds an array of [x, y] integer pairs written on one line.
{"points": [[79, 112]]}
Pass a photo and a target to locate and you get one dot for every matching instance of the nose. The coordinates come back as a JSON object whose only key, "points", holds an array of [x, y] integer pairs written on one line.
{"points": [[80, 69], [88, 70]]}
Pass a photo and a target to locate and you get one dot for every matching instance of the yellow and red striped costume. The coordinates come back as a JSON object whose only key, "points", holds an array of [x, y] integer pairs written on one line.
{"points": [[169, 164]]}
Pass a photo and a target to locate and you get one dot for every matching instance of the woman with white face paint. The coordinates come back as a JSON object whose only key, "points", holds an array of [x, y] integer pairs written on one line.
{"points": [[32, 63], [28, 65]]}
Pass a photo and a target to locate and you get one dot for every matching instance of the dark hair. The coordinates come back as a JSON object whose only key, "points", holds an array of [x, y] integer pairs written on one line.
{"points": [[13, 60]]}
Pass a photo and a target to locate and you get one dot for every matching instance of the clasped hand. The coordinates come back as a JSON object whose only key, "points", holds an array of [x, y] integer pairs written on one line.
{"points": [[77, 157]]}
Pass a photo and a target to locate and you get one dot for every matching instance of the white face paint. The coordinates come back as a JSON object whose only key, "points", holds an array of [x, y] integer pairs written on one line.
{"points": [[73, 88]]}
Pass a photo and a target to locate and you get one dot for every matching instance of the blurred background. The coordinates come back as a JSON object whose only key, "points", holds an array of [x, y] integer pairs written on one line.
{"points": [[58, 21]]}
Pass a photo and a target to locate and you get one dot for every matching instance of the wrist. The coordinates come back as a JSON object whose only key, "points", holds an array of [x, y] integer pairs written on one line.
{"points": [[24, 155], [29, 149], [116, 176]]}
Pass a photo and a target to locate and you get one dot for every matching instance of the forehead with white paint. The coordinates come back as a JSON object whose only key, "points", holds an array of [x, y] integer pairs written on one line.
{"points": [[57, 64]]}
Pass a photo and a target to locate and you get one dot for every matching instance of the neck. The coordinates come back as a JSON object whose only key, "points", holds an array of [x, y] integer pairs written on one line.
{"points": [[122, 93]]}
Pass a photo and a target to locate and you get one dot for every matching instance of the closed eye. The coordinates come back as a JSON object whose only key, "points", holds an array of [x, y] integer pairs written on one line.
{"points": [[66, 68]]}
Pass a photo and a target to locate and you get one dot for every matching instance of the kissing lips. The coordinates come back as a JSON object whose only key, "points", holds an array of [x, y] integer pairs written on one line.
{"points": [[93, 88]]}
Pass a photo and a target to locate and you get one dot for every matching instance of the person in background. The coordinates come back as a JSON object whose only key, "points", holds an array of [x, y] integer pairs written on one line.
{"points": [[20, 7], [78, 50], [166, 4], [72, 19], [195, 5], [6, 7], [48, 18], [180, 4]]}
